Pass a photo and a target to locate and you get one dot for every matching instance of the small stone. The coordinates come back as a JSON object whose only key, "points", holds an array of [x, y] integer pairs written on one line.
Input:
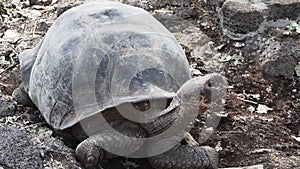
{"points": [[297, 69], [251, 109], [238, 18], [31, 14], [11, 36], [225, 58], [38, 7], [278, 9], [263, 109], [7, 107], [3, 62], [40, 2], [239, 45], [294, 26], [280, 59], [269, 89]]}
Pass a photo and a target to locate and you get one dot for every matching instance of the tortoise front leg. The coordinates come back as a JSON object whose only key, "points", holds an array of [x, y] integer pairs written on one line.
{"points": [[91, 153], [186, 157]]}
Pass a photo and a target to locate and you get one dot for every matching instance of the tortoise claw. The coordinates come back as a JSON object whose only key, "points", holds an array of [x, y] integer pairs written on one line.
{"points": [[91, 159], [89, 154]]}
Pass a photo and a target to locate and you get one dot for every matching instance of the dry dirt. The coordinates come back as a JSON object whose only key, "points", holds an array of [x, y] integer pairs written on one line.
{"points": [[243, 137]]}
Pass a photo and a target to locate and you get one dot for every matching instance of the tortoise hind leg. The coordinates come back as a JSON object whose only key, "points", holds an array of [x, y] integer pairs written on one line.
{"points": [[21, 97], [91, 153], [186, 157]]}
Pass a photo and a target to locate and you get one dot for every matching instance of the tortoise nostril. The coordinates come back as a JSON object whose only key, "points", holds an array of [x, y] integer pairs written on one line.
{"points": [[209, 84]]}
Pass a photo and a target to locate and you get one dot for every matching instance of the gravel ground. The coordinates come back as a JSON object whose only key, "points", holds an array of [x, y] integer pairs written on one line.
{"points": [[261, 120]]}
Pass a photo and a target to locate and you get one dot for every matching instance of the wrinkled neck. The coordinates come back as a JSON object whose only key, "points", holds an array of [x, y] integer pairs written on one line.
{"points": [[180, 113], [160, 124], [165, 119]]}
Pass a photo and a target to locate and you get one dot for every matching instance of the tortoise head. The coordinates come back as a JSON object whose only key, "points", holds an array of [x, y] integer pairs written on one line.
{"points": [[200, 94], [194, 97]]}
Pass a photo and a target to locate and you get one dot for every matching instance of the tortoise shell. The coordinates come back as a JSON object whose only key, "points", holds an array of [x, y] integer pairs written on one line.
{"points": [[101, 55]]}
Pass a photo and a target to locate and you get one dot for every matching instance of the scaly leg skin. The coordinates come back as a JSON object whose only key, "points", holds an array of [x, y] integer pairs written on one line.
{"points": [[186, 157], [91, 153], [21, 97]]}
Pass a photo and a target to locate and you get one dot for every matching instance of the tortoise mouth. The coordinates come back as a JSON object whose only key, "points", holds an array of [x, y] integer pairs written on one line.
{"points": [[142, 105], [145, 110], [146, 105]]}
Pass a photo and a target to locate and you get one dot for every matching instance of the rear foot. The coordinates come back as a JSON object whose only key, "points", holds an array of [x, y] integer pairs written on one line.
{"points": [[21, 97], [186, 157]]}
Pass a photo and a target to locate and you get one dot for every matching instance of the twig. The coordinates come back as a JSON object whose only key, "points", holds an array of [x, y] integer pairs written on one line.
{"points": [[8, 68], [34, 28], [5, 85], [12, 65], [245, 100]]}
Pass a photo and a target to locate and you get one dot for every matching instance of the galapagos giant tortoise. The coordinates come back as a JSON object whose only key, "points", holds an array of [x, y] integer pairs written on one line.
{"points": [[114, 79]]}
